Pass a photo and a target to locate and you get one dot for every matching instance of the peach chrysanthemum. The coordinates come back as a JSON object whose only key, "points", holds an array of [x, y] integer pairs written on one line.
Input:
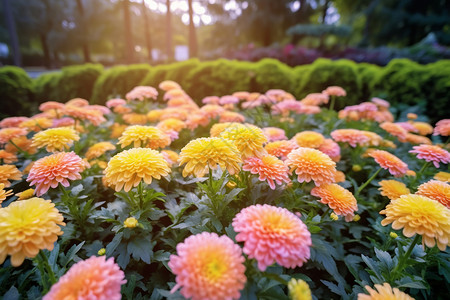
{"points": [[280, 149], [117, 130], [111, 103], [432, 153], [352, 136], [331, 148], [211, 100], [171, 124], [247, 138], [417, 139], [380, 102], [55, 139], [268, 168], [423, 128], [212, 111], [84, 113], [442, 176], [299, 290], [4, 193], [9, 172], [272, 234], [170, 156], [218, 128], [140, 93], [7, 134], [135, 119], [340, 200], [231, 116], [436, 190], [122, 109], [26, 227], [12, 122], [311, 164], [208, 267], [36, 124], [315, 99], [63, 122], [442, 128], [99, 149], [395, 130], [335, 91], [274, 134], [204, 153], [77, 102], [168, 85], [374, 139], [57, 168], [126, 169], [95, 278], [175, 93], [155, 115], [7, 157], [145, 136], [389, 162], [420, 215], [309, 139], [49, 105], [393, 189], [384, 292]]}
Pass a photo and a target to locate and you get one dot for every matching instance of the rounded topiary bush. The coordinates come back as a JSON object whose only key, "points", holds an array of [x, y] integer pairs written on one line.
{"points": [[368, 73], [16, 90], [175, 71], [272, 74], [47, 88]]}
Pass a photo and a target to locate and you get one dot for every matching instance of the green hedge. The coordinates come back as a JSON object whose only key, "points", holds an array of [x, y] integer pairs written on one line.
{"points": [[16, 91]]}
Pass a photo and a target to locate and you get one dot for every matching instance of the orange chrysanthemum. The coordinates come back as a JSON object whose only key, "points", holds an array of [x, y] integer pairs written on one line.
{"points": [[208, 267], [126, 169], [55, 139], [9, 172], [389, 162], [268, 168], [436, 190], [155, 115], [352, 136], [95, 278], [4, 193], [272, 234], [206, 153], [7, 134], [36, 124], [417, 139], [395, 130], [384, 292], [99, 149], [423, 128], [309, 139], [7, 157], [168, 85], [26, 227], [117, 130], [432, 153], [442, 128], [393, 189], [442, 176], [135, 119], [247, 138], [280, 148], [311, 164], [84, 113], [420, 215], [218, 128], [231, 116], [49, 105], [340, 200], [171, 124], [57, 168], [145, 136]]}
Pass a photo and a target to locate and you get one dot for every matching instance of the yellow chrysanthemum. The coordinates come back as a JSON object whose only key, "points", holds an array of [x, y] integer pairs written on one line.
{"points": [[117, 130], [155, 115], [130, 222], [145, 136], [27, 194], [423, 128], [171, 124], [393, 189], [36, 124], [442, 176], [4, 193], [309, 139], [218, 128], [99, 149], [299, 290], [247, 138], [55, 139], [384, 292], [9, 172], [135, 119], [201, 154], [26, 227], [126, 169], [436, 190], [420, 215]]}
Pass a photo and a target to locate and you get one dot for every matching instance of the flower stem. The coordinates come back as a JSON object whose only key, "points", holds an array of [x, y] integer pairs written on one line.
{"points": [[141, 195], [275, 277], [325, 214], [425, 165], [19, 149], [332, 102], [367, 182], [404, 258]]}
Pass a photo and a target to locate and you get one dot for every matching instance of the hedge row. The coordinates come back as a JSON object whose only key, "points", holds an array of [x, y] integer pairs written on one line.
{"points": [[401, 81]]}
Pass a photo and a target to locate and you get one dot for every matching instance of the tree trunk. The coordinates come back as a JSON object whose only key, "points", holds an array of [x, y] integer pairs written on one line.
{"points": [[325, 11], [148, 39], [193, 47], [45, 49], [129, 47], [85, 46], [169, 46], [267, 36], [17, 59]]}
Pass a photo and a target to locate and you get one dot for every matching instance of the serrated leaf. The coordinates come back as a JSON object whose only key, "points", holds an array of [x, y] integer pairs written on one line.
{"points": [[77, 189], [12, 294], [71, 254], [384, 258], [140, 249], [161, 255], [372, 266], [114, 244], [337, 289]]}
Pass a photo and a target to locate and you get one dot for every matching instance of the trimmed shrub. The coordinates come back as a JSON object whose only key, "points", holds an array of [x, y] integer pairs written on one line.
{"points": [[301, 74], [117, 81], [272, 74], [368, 73], [46, 87], [16, 90], [176, 72]]}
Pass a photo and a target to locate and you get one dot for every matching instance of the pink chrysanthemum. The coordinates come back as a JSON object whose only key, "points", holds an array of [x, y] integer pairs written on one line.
{"points": [[115, 102], [390, 162], [95, 278], [280, 148], [352, 136], [272, 234], [274, 134], [12, 122], [268, 168], [395, 130], [57, 168], [335, 91], [331, 148], [142, 92], [442, 128], [208, 267], [432, 153]]}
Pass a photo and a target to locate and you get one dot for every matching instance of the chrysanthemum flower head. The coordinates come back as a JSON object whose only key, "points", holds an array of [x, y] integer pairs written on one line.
{"points": [[423, 128], [36, 124], [390, 162], [280, 149], [4, 193], [99, 149], [218, 128], [384, 292], [126, 169], [208, 267], [420, 215], [9, 172], [95, 278], [111, 103], [380, 102], [315, 99], [140, 93], [442, 128], [442, 176], [272, 234], [27, 194], [352, 136], [57, 168], [145, 136], [12, 122], [309, 139], [26, 227], [117, 130], [49, 105], [171, 124], [274, 134], [55, 139], [393, 189], [231, 116], [206, 153], [247, 138], [395, 130], [7, 134], [268, 168], [340, 200], [168, 85], [432, 153], [170, 156], [417, 139], [135, 119], [335, 91], [299, 290], [436, 190], [78, 102], [84, 113], [331, 148], [311, 164], [7, 157]]}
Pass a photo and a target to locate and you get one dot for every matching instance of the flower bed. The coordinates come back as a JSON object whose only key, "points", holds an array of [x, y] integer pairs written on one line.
{"points": [[249, 196]]}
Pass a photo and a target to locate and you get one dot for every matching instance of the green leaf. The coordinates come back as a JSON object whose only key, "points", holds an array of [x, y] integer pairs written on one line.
{"points": [[373, 266], [71, 254], [161, 255], [113, 244], [140, 249], [384, 258], [77, 189]]}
